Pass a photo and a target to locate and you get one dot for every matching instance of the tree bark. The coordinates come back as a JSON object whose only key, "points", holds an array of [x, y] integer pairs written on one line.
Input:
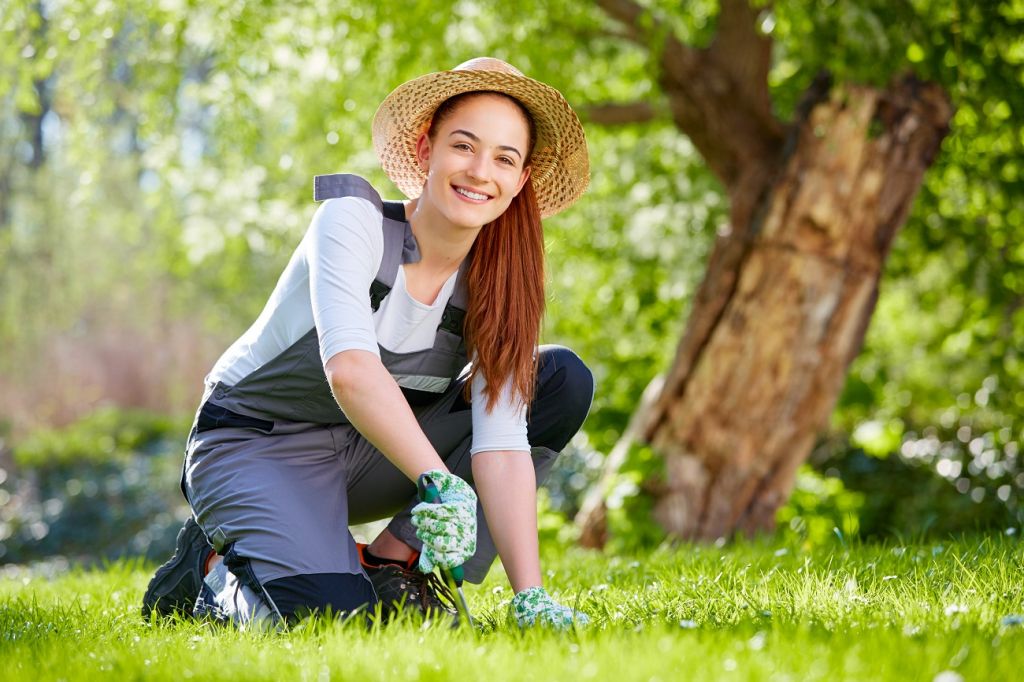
{"points": [[783, 309]]}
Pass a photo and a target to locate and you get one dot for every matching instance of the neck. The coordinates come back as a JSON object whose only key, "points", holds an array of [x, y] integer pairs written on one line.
{"points": [[443, 246]]}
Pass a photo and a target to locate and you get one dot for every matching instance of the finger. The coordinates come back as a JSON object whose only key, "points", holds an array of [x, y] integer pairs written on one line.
{"points": [[441, 544], [451, 559], [441, 511], [455, 526]]}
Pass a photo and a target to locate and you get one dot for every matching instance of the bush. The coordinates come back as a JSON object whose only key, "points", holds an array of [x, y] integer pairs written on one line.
{"points": [[818, 507], [880, 483], [631, 525], [103, 487], [913, 496]]}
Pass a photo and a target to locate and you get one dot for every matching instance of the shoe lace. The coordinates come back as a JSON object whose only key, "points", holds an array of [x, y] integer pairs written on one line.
{"points": [[433, 592]]}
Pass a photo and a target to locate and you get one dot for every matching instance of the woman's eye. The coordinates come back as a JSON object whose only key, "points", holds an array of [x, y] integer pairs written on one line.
{"points": [[507, 160], [462, 146]]}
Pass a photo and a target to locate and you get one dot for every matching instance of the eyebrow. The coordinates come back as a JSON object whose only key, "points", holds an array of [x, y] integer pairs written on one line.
{"points": [[477, 139]]}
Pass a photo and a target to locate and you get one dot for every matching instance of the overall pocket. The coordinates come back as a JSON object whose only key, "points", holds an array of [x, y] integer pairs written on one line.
{"points": [[213, 416]]}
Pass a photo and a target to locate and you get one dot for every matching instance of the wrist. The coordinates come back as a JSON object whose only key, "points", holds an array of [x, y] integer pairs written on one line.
{"points": [[529, 589], [527, 601]]}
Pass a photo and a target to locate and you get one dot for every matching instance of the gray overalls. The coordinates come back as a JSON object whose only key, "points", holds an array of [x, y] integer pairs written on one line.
{"points": [[275, 474]]}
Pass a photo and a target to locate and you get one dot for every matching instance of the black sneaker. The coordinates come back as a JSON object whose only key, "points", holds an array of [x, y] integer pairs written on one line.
{"points": [[400, 585], [400, 588], [175, 586]]}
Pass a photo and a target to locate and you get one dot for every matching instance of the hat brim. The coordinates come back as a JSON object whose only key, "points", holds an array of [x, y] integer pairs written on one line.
{"points": [[560, 163]]}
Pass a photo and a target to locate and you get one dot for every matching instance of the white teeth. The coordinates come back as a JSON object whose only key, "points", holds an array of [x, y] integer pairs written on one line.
{"points": [[472, 195]]}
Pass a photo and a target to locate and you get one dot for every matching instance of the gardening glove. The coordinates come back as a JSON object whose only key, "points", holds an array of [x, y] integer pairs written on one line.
{"points": [[447, 527], [534, 606]]}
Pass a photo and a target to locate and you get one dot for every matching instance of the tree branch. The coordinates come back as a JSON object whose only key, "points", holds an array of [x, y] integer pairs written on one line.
{"points": [[718, 96], [646, 29], [620, 113], [629, 14], [745, 54]]}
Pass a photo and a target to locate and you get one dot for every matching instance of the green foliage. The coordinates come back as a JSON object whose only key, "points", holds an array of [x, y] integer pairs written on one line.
{"points": [[103, 487], [631, 524], [635, 247], [155, 165], [749, 611], [954, 487], [109, 435], [578, 467], [555, 531], [820, 509], [943, 351]]}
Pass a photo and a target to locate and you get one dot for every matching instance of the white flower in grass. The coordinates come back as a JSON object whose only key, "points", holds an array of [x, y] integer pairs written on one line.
{"points": [[911, 630], [948, 676], [955, 608]]}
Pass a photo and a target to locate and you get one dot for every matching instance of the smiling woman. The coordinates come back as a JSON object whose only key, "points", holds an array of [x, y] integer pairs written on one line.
{"points": [[399, 347]]}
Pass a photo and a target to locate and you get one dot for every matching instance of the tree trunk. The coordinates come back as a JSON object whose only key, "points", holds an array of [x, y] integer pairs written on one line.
{"points": [[782, 312]]}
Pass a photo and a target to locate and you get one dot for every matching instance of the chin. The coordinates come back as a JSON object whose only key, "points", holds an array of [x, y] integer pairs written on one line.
{"points": [[472, 219]]}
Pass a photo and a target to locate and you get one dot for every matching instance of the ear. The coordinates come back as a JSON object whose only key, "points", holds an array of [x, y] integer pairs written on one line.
{"points": [[523, 178], [423, 152]]}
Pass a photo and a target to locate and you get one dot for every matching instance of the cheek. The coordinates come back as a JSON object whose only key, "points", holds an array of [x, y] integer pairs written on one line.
{"points": [[514, 186], [507, 201]]}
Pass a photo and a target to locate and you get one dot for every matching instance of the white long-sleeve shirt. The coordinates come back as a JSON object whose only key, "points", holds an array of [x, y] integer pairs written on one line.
{"points": [[326, 285]]}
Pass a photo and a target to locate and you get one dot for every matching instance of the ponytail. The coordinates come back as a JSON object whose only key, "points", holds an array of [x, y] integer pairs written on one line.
{"points": [[506, 300], [505, 284]]}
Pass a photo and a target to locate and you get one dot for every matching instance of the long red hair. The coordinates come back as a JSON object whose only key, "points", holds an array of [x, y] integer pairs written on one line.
{"points": [[505, 284]]}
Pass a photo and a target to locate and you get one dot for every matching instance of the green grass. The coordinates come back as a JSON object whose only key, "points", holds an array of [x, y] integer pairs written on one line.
{"points": [[751, 611]]}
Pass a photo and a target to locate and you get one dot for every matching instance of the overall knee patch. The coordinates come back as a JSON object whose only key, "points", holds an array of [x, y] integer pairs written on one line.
{"points": [[299, 596], [565, 390]]}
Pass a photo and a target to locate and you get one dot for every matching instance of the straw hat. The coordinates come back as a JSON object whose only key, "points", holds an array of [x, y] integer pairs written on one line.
{"points": [[561, 167]]}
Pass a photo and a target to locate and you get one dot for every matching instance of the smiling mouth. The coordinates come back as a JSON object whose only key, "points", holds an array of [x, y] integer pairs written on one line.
{"points": [[472, 195]]}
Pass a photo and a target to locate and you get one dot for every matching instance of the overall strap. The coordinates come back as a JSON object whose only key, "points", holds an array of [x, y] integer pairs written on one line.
{"points": [[399, 243], [453, 318], [344, 185]]}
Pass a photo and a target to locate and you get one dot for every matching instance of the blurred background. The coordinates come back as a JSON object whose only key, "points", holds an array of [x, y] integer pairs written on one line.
{"points": [[156, 164]]}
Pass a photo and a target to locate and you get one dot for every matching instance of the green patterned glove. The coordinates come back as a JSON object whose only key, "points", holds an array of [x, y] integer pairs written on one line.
{"points": [[447, 527], [534, 606]]}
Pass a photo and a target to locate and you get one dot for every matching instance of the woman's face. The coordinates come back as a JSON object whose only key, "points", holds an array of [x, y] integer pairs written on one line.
{"points": [[476, 160]]}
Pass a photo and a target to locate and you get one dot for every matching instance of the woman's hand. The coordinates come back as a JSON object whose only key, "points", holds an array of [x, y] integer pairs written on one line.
{"points": [[446, 527], [534, 606]]}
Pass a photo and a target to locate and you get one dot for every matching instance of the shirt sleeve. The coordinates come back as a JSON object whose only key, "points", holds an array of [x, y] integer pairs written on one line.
{"points": [[343, 248], [501, 428]]}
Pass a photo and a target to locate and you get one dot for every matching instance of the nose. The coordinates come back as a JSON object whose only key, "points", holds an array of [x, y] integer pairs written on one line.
{"points": [[479, 168]]}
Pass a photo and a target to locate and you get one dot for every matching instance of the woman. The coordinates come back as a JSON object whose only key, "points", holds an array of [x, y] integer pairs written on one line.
{"points": [[353, 382]]}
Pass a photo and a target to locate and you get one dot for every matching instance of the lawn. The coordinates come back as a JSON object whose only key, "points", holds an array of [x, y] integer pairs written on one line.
{"points": [[945, 611]]}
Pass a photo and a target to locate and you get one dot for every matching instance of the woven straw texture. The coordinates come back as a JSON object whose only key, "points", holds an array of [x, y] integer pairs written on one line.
{"points": [[561, 166]]}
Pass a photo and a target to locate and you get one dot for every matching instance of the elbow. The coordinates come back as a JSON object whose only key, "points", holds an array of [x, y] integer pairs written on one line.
{"points": [[348, 370]]}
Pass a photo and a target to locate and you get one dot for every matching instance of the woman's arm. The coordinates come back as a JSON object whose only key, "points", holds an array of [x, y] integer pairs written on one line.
{"points": [[343, 250], [374, 404], [507, 487]]}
